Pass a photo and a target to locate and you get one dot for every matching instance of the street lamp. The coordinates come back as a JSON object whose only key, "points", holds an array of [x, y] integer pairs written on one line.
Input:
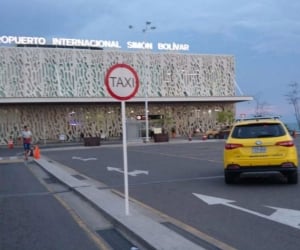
{"points": [[146, 29]]}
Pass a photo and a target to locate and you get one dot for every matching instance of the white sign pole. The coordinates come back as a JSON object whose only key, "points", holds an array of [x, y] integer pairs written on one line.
{"points": [[122, 83], [125, 161]]}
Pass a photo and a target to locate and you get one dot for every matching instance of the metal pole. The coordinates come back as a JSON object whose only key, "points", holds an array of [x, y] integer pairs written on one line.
{"points": [[124, 135], [146, 29], [146, 113]]}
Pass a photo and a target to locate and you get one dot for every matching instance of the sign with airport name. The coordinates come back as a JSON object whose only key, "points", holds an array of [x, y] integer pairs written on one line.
{"points": [[111, 44]]}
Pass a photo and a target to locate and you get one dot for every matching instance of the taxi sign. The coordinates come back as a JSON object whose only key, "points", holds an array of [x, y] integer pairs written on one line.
{"points": [[122, 81]]}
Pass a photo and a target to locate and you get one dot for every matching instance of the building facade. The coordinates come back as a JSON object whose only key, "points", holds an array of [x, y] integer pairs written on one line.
{"points": [[61, 91]]}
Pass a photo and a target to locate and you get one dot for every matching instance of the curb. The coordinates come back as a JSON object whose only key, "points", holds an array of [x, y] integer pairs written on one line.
{"points": [[11, 159], [148, 232]]}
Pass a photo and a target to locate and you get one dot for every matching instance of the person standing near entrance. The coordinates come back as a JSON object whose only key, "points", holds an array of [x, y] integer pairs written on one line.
{"points": [[26, 136]]}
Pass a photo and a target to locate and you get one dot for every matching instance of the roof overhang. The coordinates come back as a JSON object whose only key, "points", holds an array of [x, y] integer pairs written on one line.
{"points": [[204, 99]]}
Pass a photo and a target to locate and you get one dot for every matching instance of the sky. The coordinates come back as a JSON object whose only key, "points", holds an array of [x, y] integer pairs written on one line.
{"points": [[262, 35]]}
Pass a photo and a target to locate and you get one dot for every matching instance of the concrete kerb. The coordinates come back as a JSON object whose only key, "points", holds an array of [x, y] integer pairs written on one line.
{"points": [[145, 230]]}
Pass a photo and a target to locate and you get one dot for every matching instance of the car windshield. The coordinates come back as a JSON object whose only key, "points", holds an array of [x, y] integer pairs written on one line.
{"points": [[258, 130]]}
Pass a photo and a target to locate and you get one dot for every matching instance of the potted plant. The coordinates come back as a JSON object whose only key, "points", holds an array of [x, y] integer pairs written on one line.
{"points": [[168, 122]]}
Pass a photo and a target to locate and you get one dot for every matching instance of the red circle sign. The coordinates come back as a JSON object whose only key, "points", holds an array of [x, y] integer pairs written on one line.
{"points": [[122, 81]]}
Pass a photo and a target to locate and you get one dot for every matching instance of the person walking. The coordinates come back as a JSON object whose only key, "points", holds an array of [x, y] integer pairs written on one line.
{"points": [[27, 137]]}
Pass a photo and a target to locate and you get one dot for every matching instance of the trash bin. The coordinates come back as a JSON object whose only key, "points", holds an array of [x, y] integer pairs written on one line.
{"points": [[92, 141]]}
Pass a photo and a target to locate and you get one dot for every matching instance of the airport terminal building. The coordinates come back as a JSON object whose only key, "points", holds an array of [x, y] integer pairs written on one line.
{"points": [[60, 90]]}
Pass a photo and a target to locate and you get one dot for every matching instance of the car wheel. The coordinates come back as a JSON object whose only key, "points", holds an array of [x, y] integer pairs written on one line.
{"points": [[230, 178], [292, 178]]}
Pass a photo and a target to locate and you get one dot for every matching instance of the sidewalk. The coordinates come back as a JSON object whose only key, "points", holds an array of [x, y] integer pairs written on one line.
{"points": [[149, 232]]}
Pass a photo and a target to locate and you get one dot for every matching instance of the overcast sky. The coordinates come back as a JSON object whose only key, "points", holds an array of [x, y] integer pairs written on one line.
{"points": [[262, 35]]}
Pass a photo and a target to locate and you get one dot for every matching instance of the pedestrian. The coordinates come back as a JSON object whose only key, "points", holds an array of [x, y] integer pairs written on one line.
{"points": [[81, 136], [27, 137]]}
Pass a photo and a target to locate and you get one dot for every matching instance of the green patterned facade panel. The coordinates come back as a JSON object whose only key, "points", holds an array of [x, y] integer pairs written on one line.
{"points": [[50, 72]]}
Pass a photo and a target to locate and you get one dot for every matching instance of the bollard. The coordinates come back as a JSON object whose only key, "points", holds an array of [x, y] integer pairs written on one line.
{"points": [[10, 144], [36, 152]]}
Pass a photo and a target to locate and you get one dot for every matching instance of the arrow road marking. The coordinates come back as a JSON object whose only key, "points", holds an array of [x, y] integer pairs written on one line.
{"points": [[137, 172], [115, 169], [84, 159], [285, 216], [132, 173]]}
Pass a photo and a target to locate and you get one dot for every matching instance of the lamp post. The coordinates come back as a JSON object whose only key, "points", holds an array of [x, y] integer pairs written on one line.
{"points": [[146, 29]]}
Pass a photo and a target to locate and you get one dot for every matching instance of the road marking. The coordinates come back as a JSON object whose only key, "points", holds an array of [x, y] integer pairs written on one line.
{"points": [[284, 216], [11, 161], [166, 218], [186, 156], [99, 242], [84, 159], [132, 173], [115, 169]]}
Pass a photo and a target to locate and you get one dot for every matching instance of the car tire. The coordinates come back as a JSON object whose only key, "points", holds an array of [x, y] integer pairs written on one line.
{"points": [[292, 178], [230, 178]]}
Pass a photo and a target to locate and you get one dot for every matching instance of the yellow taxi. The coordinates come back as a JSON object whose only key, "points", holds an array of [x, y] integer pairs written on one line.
{"points": [[260, 145]]}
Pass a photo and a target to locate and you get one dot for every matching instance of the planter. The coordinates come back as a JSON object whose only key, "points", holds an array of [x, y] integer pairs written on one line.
{"points": [[91, 141], [161, 137]]}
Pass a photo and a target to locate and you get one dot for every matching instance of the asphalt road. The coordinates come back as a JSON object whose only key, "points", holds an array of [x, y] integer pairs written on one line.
{"points": [[262, 213], [32, 217]]}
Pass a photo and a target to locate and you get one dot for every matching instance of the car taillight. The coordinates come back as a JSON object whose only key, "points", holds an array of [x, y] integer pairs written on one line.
{"points": [[285, 143], [233, 145]]}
